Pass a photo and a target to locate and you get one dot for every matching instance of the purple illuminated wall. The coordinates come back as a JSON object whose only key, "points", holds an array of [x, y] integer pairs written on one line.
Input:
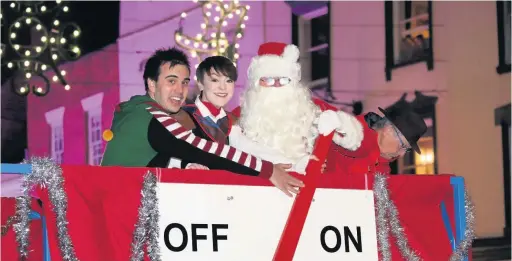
{"points": [[268, 21]]}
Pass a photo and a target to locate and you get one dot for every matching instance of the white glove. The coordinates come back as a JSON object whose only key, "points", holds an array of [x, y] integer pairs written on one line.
{"points": [[301, 164], [350, 133], [328, 121]]}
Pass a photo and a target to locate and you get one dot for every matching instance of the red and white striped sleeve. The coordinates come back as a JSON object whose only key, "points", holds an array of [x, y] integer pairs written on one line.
{"points": [[221, 150]]}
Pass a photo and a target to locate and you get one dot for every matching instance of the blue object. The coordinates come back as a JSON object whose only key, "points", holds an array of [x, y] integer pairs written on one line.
{"points": [[448, 225], [16, 168], [460, 211], [34, 215], [46, 244], [26, 169]]}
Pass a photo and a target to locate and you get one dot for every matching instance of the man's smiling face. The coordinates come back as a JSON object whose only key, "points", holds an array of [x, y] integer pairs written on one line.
{"points": [[171, 87]]}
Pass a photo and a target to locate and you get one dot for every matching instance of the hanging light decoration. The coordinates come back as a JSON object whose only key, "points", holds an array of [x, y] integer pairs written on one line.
{"points": [[222, 28], [38, 40]]}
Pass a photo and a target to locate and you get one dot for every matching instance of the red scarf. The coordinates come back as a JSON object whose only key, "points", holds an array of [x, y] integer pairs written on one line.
{"points": [[213, 110]]}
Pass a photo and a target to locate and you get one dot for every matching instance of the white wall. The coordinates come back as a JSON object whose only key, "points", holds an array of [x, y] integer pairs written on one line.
{"points": [[136, 15]]}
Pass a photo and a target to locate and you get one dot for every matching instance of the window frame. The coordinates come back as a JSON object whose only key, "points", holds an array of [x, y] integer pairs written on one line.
{"points": [[502, 67], [297, 29], [57, 132], [92, 107], [424, 106], [91, 144], [390, 40], [502, 119], [401, 161], [55, 120]]}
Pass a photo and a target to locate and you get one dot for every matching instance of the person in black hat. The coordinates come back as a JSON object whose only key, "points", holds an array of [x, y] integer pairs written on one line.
{"points": [[386, 138]]}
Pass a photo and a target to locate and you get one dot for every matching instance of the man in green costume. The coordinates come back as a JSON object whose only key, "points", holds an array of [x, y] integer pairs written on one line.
{"points": [[152, 131]]}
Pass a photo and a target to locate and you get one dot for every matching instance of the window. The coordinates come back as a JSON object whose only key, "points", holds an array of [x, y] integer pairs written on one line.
{"points": [[57, 143], [94, 139], [426, 162], [92, 108], [311, 33], [408, 34], [55, 118], [420, 164], [503, 19]]}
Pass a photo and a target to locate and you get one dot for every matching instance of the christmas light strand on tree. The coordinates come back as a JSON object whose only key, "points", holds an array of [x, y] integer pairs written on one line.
{"points": [[214, 39], [33, 49]]}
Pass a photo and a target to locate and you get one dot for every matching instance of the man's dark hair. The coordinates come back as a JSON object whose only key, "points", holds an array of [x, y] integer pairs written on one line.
{"points": [[173, 56], [220, 64]]}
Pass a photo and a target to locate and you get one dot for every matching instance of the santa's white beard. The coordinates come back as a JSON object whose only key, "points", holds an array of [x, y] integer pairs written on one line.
{"points": [[280, 118]]}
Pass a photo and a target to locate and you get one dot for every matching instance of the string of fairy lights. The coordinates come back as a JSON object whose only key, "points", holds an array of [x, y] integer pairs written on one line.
{"points": [[38, 40], [53, 41], [222, 29]]}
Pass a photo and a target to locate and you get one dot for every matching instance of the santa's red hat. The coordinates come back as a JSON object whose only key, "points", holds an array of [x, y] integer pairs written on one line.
{"points": [[275, 60]]}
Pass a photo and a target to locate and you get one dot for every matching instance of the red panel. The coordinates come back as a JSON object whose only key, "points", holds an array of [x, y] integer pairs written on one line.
{"points": [[103, 204]]}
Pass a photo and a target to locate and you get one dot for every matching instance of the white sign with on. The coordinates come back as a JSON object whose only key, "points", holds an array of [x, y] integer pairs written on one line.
{"points": [[228, 222]]}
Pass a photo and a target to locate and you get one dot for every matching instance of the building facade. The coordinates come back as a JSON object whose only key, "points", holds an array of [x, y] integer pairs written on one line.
{"points": [[452, 59], [449, 58], [67, 125]]}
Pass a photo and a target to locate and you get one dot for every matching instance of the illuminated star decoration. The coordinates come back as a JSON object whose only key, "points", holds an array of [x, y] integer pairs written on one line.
{"points": [[32, 49], [216, 30]]}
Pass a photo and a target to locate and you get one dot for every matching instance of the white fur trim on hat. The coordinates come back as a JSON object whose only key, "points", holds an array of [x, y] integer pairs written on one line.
{"points": [[285, 65], [291, 53]]}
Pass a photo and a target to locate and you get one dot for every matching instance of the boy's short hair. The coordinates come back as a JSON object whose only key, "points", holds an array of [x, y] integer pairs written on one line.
{"points": [[220, 64], [173, 56]]}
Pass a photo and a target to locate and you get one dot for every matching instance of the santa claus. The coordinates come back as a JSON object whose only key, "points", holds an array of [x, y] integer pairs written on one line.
{"points": [[279, 120]]}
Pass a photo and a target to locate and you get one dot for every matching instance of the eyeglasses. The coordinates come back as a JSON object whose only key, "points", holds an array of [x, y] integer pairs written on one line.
{"points": [[274, 81], [402, 143]]}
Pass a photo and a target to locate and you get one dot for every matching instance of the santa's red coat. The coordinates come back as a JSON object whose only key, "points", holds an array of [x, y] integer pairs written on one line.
{"points": [[366, 159]]}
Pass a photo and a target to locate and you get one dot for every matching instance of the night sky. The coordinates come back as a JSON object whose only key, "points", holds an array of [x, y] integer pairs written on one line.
{"points": [[99, 21]]}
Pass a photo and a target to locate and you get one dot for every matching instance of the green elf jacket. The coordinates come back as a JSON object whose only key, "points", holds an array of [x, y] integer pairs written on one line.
{"points": [[146, 135]]}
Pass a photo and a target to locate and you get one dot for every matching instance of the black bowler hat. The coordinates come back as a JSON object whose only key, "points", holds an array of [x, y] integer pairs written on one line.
{"points": [[409, 123]]}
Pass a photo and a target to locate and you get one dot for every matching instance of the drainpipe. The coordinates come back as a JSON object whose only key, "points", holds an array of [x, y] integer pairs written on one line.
{"points": [[264, 13]]}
